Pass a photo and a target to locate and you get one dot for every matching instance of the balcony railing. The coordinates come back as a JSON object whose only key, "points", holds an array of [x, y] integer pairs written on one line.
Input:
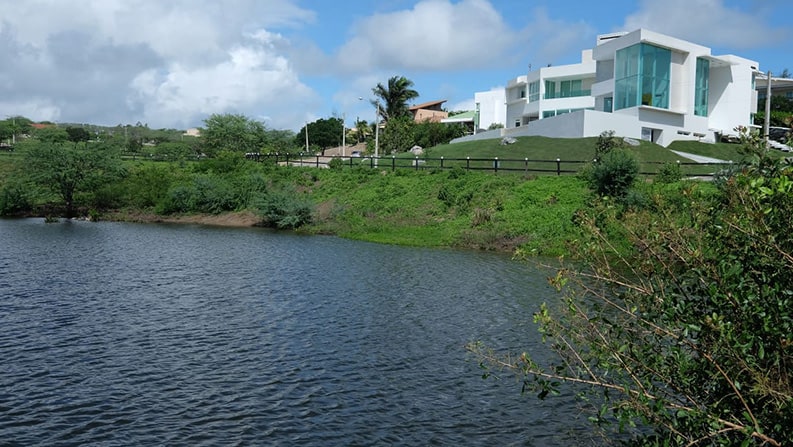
{"points": [[570, 94]]}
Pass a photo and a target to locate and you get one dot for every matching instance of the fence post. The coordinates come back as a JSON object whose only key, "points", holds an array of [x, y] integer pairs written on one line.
{"points": [[558, 167], [393, 163], [317, 160], [467, 163], [441, 161], [526, 165], [417, 162], [495, 165]]}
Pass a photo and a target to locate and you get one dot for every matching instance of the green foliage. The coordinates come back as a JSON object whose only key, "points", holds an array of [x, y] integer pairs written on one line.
{"points": [[68, 170], [613, 173], [51, 135], [204, 194], [78, 134], [322, 133], [494, 126], [336, 163], [682, 337], [606, 141], [429, 134], [233, 132], [284, 209], [395, 97], [397, 136], [14, 197], [669, 173]]}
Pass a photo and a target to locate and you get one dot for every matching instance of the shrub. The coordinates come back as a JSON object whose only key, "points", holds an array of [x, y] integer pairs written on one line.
{"points": [[614, 173], [669, 173], [284, 210], [13, 198], [335, 163]]}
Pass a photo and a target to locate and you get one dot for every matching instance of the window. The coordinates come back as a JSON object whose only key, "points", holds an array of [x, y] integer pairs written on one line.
{"points": [[701, 87], [522, 93], [550, 90], [608, 104], [642, 76], [517, 123], [570, 88], [548, 113], [789, 95], [534, 91]]}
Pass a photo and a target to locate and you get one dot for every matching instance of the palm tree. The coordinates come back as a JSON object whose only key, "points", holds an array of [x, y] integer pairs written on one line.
{"points": [[395, 97], [362, 130]]}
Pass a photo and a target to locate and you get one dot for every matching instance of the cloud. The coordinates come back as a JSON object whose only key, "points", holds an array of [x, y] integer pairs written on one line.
{"points": [[168, 63], [710, 22], [433, 35]]}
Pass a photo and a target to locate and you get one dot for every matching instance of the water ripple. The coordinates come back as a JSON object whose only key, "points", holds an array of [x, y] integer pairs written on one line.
{"points": [[120, 334]]}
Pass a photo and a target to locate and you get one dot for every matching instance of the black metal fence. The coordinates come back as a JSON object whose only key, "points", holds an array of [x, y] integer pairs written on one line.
{"points": [[525, 165]]}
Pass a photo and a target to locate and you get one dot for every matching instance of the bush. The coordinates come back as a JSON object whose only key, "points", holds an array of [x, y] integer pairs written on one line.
{"points": [[335, 163], [669, 173], [13, 198], [683, 338], [614, 173], [284, 210]]}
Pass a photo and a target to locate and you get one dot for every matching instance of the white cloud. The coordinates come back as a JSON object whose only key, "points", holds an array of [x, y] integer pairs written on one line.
{"points": [[165, 63], [709, 22], [433, 35]]}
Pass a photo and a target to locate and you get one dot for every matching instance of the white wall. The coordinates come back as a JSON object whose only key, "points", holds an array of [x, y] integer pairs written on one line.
{"points": [[491, 107]]}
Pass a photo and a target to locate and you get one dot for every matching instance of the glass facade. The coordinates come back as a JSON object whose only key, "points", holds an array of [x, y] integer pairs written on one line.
{"points": [[701, 87], [641, 76], [550, 89], [567, 89], [534, 91]]}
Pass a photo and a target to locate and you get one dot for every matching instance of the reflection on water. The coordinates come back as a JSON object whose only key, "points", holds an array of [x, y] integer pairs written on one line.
{"points": [[184, 335]]}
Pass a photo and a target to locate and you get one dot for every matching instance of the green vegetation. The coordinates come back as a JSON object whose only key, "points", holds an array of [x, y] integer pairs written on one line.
{"points": [[676, 310], [675, 318]]}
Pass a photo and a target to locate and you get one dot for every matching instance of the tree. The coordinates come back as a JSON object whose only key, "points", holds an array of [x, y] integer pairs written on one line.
{"points": [[78, 135], [233, 132], [395, 97], [398, 135], [51, 134], [18, 125], [322, 133], [68, 170], [785, 74], [362, 130], [680, 327]]}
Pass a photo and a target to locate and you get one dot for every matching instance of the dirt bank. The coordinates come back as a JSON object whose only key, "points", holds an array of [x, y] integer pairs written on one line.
{"points": [[235, 219]]}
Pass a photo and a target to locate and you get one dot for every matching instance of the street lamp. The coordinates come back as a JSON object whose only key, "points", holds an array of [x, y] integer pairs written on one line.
{"points": [[376, 132]]}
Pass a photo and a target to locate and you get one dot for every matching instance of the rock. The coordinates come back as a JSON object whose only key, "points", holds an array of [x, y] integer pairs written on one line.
{"points": [[630, 141], [508, 140]]}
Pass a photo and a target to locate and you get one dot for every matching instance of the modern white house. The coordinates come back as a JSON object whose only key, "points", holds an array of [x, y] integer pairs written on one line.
{"points": [[640, 84]]}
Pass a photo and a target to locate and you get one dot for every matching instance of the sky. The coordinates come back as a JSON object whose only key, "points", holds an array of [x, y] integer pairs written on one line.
{"points": [[172, 63]]}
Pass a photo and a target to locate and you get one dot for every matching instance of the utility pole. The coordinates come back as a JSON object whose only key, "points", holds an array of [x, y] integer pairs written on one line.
{"points": [[306, 136]]}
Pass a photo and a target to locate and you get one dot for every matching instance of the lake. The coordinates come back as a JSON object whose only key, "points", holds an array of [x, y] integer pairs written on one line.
{"points": [[155, 334]]}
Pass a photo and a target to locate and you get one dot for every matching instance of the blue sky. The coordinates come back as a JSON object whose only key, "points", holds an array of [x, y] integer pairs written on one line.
{"points": [[173, 63]]}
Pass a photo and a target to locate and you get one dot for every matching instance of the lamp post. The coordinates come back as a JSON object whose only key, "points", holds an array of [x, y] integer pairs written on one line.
{"points": [[343, 136], [376, 132]]}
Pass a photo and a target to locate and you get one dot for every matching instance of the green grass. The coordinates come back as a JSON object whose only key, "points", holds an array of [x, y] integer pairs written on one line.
{"points": [[538, 155]]}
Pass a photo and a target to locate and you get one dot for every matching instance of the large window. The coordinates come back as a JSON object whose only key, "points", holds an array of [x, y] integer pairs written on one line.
{"points": [[571, 88], [642, 76], [534, 91], [550, 89], [701, 87]]}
